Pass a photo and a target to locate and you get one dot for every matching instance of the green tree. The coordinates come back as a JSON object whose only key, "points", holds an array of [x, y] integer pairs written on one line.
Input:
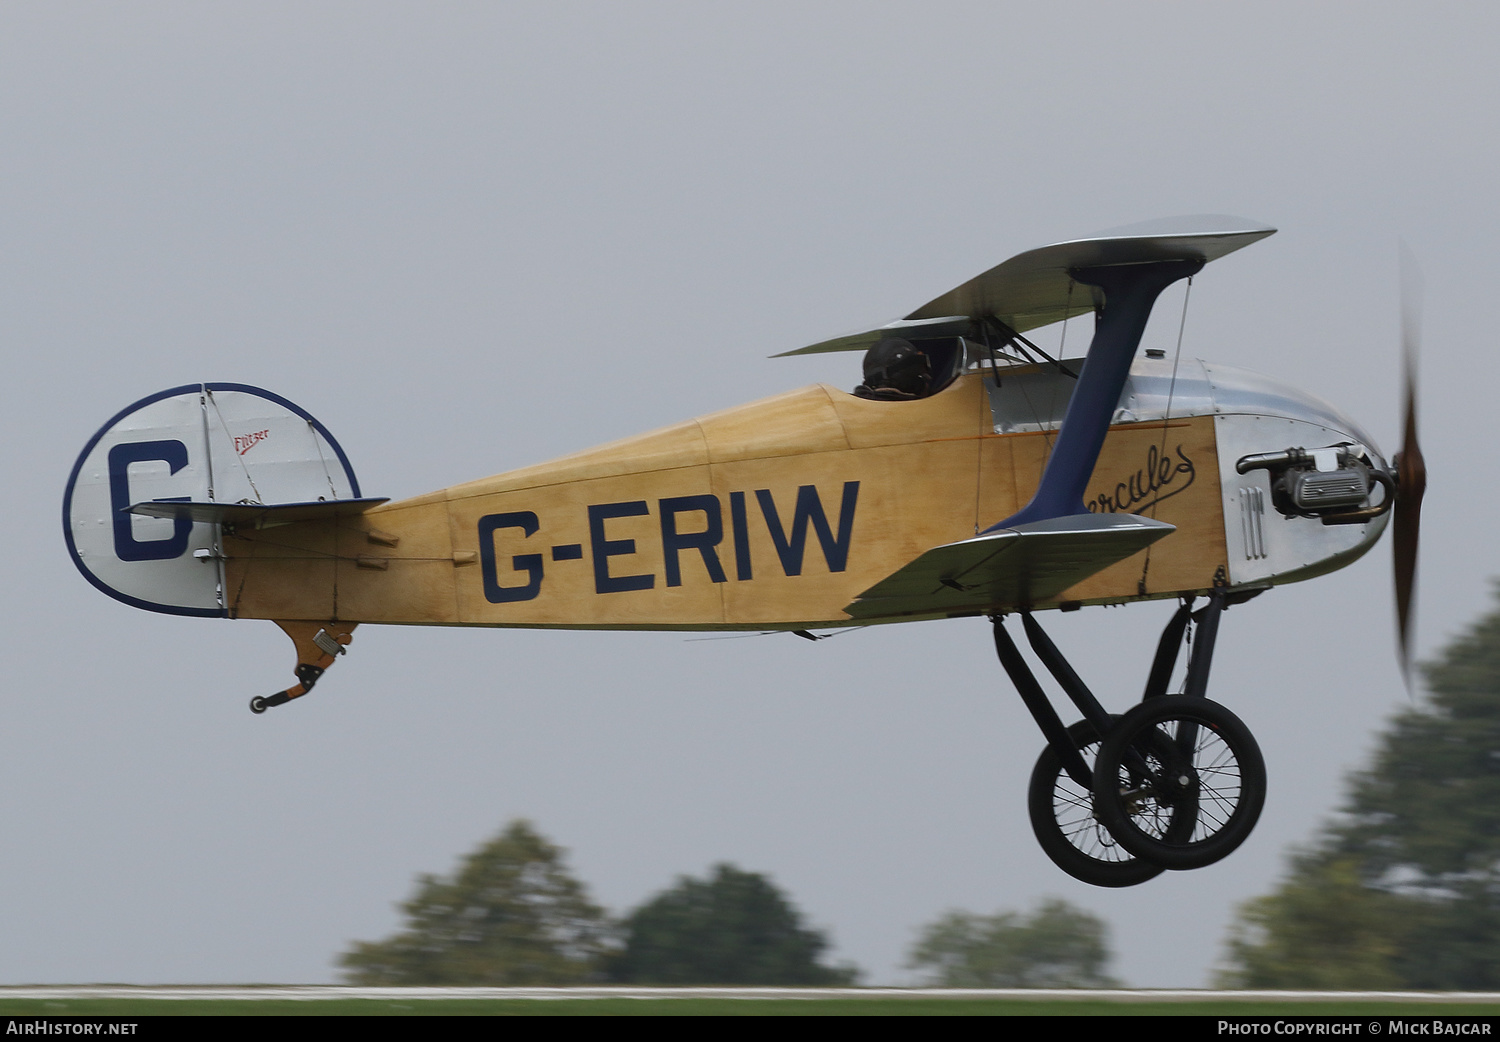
{"points": [[1322, 929], [1058, 946], [510, 914], [734, 927], [1404, 887]]}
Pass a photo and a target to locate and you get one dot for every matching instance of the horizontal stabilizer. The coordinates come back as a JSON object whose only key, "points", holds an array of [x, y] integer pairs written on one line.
{"points": [[1008, 569], [256, 515]]}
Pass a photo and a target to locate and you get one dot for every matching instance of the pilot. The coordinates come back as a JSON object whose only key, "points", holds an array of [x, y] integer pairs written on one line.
{"points": [[895, 370]]}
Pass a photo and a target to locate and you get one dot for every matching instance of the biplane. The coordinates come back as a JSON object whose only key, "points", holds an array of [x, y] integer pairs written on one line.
{"points": [[971, 474]]}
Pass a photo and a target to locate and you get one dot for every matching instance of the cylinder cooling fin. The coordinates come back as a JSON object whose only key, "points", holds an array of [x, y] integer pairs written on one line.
{"points": [[1333, 483]]}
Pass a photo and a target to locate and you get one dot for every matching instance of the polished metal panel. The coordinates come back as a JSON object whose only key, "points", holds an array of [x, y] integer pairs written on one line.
{"points": [[1282, 549], [1241, 391], [1260, 414], [1030, 397], [1035, 397], [1253, 414], [1253, 522]]}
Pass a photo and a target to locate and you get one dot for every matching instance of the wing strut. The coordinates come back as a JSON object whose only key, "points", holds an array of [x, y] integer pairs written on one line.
{"points": [[1130, 290]]}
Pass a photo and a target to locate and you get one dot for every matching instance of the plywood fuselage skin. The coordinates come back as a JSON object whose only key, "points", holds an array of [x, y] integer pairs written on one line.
{"points": [[775, 514]]}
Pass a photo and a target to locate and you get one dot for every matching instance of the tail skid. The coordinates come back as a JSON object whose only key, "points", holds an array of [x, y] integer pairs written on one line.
{"points": [[318, 647]]}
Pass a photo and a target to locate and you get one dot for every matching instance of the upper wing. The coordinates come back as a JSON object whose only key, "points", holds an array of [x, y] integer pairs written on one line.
{"points": [[948, 325], [1008, 569], [1036, 288]]}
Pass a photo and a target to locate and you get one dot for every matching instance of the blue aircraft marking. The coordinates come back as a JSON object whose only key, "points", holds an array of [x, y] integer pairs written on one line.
{"points": [[688, 524]]}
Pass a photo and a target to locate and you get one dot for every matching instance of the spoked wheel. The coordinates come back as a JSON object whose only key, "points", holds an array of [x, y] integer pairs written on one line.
{"points": [[1069, 831], [1179, 758]]}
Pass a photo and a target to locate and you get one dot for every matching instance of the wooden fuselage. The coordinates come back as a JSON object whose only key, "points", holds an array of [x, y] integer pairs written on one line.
{"points": [[775, 514]]}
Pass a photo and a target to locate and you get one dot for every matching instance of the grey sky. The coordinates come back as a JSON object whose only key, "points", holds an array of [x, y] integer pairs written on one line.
{"points": [[468, 237]]}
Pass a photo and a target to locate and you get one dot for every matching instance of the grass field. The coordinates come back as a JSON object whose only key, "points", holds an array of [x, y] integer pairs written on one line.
{"points": [[61, 1004]]}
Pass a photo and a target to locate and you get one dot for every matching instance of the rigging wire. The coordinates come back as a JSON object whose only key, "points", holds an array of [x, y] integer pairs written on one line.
{"points": [[1062, 343], [1067, 311], [318, 444], [225, 426], [1167, 416], [983, 400]]}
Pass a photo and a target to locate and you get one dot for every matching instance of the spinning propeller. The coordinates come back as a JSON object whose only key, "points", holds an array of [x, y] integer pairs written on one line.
{"points": [[1411, 470]]}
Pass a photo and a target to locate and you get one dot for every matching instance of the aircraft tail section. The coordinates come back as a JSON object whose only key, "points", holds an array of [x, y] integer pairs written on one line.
{"points": [[148, 498]]}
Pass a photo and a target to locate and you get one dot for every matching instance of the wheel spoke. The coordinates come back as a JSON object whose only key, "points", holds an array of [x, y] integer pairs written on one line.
{"points": [[1067, 825], [1202, 787]]}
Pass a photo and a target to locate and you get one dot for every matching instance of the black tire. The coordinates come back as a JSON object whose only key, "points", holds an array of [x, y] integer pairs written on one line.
{"points": [[1066, 827], [1175, 759]]}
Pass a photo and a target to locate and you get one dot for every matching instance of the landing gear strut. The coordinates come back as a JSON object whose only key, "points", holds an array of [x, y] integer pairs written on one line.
{"points": [[1176, 783]]}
